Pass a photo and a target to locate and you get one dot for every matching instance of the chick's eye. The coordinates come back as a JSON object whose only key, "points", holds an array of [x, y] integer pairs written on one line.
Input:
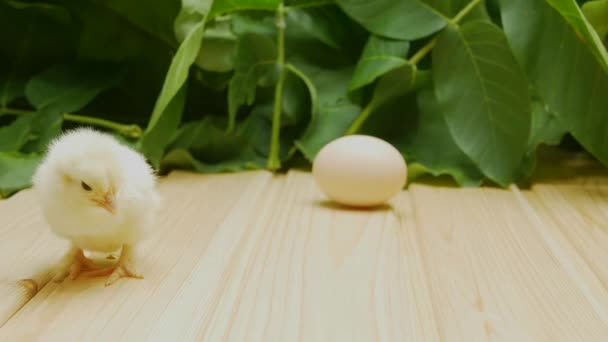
{"points": [[85, 186]]}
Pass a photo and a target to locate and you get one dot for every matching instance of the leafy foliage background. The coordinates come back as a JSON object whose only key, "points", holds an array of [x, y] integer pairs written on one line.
{"points": [[465, 88]]}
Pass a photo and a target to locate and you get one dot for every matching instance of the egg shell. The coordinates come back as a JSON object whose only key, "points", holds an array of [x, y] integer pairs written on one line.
{"points": [[359, 170]]}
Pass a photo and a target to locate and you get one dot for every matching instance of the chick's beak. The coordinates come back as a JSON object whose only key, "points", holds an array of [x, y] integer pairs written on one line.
{"points": [[107, 202]]}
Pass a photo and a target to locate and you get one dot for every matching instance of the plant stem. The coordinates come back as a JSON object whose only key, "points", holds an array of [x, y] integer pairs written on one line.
{"points": [[420, 54], [428, 47], [132, 131], [14, 111], [463, 13], [414, 60], [356, 125], [274, 162]]}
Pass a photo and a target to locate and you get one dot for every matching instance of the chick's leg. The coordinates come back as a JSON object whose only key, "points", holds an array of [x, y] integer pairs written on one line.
{"points": [[125, 267], [72, 264]]}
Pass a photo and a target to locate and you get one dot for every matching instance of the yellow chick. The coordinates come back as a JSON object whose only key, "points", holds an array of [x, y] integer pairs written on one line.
{"points": [[101, 196]]}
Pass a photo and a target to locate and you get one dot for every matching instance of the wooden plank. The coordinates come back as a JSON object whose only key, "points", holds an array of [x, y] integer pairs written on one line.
{"points": [[493, 276], [579, 214], [189, 228], [275, 262], [257, 257], [27, 252], [314, 272], [13, 295], [195, 302]]}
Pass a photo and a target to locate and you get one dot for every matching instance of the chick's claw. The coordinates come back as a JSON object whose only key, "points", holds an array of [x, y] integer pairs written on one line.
{"points": [[122, 271]]}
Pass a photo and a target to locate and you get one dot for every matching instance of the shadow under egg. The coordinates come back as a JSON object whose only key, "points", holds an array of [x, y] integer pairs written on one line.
{"points": [[329, 204]]}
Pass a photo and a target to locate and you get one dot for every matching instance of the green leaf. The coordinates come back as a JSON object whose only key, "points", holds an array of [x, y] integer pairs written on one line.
{"points": [[293, 4], [105, 36], [526, 167], [31, 40], [15, 135], [53, 11], [31, 132], [219, 51], [68, 88], [546, 128], [289, 131], [16, 171], [183, 159], [154, 141], [334, 112], [450, 8], [155, 18], [200, 7], [255, 23], [572, 14], [482, 92], [395, 83], [205, 146], [312, 90], [328, 24], [398, 19], [433, 147], [564, 66], [178, 72], [61, 89], [596, 13], [227, 6], [330, 123], [10, 90], [324, 36], [256, 57], [295, 102], [190, 23], [46, 125], [380, 56]]}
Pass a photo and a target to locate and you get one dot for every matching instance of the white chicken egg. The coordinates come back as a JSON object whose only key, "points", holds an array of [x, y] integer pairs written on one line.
{"points": [[359, 170]]}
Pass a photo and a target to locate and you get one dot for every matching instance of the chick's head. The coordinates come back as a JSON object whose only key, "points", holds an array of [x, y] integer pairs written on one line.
{"points": [[92, 183], [81, 168]]}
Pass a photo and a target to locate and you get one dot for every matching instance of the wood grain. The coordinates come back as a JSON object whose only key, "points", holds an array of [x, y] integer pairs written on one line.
{"points": [[578, 215], [13, 295], [315, 272], [86, 310], [28, 252], [492, 275], [260, 257]]}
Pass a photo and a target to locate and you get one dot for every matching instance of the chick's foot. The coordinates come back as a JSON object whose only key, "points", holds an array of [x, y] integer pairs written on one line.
{"points": [[121, 270], [74, 267]]}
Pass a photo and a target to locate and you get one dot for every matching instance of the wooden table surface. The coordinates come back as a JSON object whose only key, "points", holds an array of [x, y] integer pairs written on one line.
{"points": [[260, 257]]}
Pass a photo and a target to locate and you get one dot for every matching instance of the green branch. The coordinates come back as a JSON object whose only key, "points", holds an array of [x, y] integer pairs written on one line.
{"points": [[358, 123], [420, 54], [463, 13], [274, 161], [132, 131], [428, 47], [414, 60]]}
